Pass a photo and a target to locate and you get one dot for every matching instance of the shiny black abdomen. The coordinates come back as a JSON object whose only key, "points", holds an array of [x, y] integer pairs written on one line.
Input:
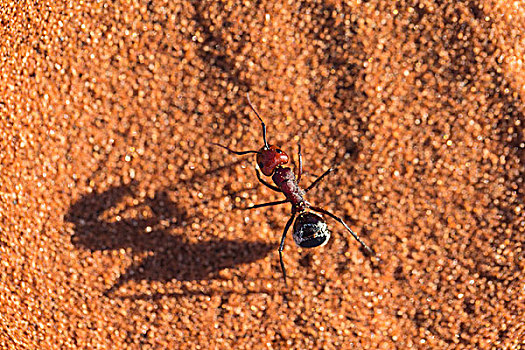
{"points": [[310, 230]]}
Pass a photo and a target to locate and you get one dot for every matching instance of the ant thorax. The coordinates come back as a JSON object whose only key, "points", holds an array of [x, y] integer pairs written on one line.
{"points": [[284, 178]]}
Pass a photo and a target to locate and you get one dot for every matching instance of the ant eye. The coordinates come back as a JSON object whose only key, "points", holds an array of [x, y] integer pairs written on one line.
{"points": [[278, 151]]}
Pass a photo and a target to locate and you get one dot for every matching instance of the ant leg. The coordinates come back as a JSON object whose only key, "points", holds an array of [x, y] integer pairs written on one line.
{"points": [[264, 182], [300, 170], [281, 247], [265, 204], [323, 211], [316, 182], [232, 151]]}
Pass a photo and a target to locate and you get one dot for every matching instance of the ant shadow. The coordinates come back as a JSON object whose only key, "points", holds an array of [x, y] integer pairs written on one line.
{"points": [[105, 221]]}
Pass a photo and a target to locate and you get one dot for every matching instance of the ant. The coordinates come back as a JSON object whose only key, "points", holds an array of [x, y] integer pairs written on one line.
{"points": [[310, 229]]}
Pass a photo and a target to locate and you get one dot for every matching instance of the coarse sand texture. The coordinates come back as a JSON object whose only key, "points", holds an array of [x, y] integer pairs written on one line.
{"points": [[121, 224]]}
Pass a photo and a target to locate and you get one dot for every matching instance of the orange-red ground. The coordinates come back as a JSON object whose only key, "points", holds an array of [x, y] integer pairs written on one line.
{"points": [[118, 219]]}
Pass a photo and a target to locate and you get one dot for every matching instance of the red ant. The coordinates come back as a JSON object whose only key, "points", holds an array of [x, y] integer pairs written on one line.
{"points": [[310, 229]]}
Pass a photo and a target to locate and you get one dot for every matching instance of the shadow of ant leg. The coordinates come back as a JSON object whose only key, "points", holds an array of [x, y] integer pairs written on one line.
{"points": [[265, 205]]}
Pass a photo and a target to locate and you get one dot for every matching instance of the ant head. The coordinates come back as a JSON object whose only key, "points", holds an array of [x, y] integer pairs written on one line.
{"points": [[269, 158], [310, 230]]}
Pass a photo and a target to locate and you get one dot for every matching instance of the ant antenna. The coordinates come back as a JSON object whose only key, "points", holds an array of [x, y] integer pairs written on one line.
{"points": [[258, 116], [235, 152]]}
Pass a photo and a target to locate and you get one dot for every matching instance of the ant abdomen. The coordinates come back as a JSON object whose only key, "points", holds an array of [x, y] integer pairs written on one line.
{"points": [[310, 230]]}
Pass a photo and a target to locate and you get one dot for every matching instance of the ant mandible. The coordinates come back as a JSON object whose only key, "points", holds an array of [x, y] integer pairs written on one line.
{"points": [[310, 229]]}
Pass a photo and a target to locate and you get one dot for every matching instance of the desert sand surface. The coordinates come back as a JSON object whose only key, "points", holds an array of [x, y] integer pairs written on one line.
{"points": [[120, 221]]}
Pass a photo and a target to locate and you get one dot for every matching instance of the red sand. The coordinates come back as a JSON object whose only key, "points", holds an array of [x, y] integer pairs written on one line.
{"points": [[117, 220]]}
